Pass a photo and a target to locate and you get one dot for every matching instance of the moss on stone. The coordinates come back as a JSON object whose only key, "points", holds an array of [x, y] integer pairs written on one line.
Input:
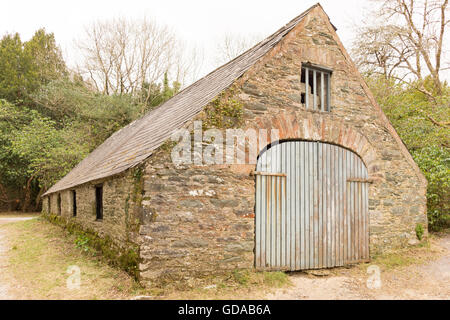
{"points": [[224, 112], [167, 146], [419, 231], [132, 219], [125, 257], [163, 152]]}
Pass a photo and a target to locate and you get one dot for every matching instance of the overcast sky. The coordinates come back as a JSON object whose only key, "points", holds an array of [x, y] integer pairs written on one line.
{"points": [[198, 22]]}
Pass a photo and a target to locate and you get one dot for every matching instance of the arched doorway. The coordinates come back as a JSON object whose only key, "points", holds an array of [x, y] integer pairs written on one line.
{"points": [[311, 207]]}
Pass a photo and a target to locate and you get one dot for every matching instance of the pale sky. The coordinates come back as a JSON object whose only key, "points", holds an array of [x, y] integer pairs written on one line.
{"points": [[198, 22]]}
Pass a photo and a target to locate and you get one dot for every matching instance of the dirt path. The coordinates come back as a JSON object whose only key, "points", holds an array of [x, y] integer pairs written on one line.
{"points": [[427, 277], [4, 291], [430, 280], [9, 220], [3, 287]]}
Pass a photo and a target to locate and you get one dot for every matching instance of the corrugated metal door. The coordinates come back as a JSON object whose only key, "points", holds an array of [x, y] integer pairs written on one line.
{"points": [[311, 207]]}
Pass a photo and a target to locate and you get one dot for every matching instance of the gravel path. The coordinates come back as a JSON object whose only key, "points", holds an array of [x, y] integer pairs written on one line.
{"points": [[4, 291], [426, 281], [8, 220], [3, 265]]}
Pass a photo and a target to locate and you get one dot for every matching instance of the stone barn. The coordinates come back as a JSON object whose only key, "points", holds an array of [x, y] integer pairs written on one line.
{"points": [[313, 175]]}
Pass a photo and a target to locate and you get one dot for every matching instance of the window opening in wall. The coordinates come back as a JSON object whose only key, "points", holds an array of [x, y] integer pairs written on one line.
{"points": [[74, 203], [59, 204], [316, 87], [49, 204], [99, 202]]}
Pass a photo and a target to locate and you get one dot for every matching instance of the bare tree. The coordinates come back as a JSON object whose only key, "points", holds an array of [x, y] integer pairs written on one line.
{"points": [[378, 50], [232, 45], [189, 63], [408, 42], [123, 56]]}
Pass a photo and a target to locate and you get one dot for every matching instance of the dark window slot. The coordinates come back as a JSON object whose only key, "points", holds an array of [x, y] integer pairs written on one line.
{"points": [[74, 203], [59, 204], [99, 202]]}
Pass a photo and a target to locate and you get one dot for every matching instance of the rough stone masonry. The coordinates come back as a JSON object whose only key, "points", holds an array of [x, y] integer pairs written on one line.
{"points": [[198, 220]]}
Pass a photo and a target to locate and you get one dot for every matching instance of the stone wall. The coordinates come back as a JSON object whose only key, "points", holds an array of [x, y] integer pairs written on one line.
{"points": [[117, 208], [201, 219], [270, 92], [196, 220]]}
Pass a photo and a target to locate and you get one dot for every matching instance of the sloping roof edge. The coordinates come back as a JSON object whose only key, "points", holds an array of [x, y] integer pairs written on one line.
{"points": [[118, 158], [134, 143]]}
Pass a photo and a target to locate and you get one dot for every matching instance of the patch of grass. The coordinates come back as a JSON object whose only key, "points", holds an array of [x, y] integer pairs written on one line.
{"points": [[418, 254], [393, 260], [419, 231], [82, 242], [41, 253], [252, 278], [241, 277], [91, 242], [276, 279], [39, 259]]}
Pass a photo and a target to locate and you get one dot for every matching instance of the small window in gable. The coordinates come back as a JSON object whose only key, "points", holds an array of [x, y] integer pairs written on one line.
{"points": [[316, 88]]}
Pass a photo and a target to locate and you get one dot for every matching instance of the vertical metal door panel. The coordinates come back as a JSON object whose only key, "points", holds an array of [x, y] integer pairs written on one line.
{"points": [[283, 244], [327, 239], [319, 233], [298, 192], [290, 215], [332, 204], [301, 202], [349, 211], [312, 210], [345, 205], [258, 222], [272, 204], [313, 160]]}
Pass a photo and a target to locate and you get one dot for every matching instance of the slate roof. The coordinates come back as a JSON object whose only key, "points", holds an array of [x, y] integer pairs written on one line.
{"points": [[135, 142]]}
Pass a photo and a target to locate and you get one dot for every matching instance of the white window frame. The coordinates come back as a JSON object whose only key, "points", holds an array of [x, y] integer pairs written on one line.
{"points": [[323, 73]]}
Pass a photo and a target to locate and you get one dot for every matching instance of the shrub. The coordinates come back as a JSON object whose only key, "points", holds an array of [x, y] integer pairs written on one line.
{"points": [[419, 231], [435, 164]]}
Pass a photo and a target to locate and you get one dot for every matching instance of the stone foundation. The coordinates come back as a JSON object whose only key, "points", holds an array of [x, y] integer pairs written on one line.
{"points": [[197, 220]]}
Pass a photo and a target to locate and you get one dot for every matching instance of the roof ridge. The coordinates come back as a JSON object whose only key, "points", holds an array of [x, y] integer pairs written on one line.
{"points": [[135, 142], [235, 58]]}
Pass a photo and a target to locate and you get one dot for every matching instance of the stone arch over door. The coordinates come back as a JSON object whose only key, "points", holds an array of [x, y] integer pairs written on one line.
{"points": [[323, 128], [311, 207]]}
